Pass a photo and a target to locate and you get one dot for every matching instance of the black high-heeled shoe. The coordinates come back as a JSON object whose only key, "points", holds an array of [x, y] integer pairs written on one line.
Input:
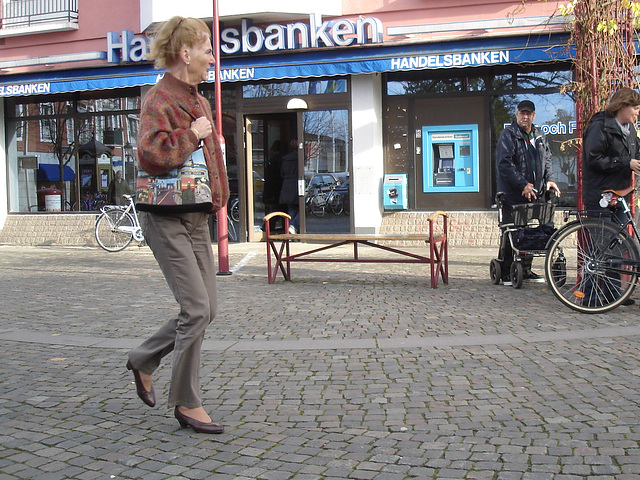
{"points": [[147, 397], [196, 425]]}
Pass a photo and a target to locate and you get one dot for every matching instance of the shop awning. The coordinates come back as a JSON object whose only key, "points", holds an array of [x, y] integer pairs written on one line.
{"points": [[310, 63], [48, 172], [431, 56]]}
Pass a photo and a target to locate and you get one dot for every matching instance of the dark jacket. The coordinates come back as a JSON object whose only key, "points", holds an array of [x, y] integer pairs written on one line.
{"points": [[289, 172], [514, 171], [606, 155], [116, 190]]}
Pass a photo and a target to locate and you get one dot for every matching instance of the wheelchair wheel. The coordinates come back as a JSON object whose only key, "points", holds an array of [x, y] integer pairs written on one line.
{"points": [[495, 271], [591, 265], [517, 274]]}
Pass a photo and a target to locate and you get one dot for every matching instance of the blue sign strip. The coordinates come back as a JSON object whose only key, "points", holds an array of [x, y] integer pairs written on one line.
{"points": [[306, 64]]}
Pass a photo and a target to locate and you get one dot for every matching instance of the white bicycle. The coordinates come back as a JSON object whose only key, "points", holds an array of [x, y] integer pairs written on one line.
{"points": [[117, 226]]}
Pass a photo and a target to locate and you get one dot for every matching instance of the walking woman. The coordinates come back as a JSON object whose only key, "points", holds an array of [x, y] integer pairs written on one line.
{"points": [[174, 120]]}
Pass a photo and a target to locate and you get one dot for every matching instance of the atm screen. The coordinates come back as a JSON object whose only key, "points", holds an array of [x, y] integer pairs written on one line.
{"points": [[445, 151]]}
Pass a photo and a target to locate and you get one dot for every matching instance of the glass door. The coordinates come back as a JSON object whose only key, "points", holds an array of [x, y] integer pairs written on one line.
{"points": [[267, 141], [299, 168], [326, 171]]}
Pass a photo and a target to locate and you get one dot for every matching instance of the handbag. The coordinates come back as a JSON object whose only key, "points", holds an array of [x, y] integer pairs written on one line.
{"points": [[533, 238], [185, 186]]}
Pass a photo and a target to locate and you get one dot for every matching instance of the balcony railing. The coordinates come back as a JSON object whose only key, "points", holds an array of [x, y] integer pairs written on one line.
{"points": [[30, 13]]}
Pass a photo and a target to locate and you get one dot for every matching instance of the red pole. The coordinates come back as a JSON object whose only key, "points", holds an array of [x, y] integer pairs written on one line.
{"points": [[223, 237], [579, 154]]}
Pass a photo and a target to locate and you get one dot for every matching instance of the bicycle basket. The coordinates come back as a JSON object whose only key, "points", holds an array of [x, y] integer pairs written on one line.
{"points": [[524, 213]]}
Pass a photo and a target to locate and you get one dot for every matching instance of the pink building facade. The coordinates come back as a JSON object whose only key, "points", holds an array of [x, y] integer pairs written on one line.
{"points": [[397, 105]]}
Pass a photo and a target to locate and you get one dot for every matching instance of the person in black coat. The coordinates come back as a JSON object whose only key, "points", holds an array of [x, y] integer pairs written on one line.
{"points": [[524, 172], [610, 148], [524, 159], [289, 191], [610, 152], [118, 187]]}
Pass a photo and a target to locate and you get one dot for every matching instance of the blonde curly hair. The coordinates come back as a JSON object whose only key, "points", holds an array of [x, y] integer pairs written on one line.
{"points": [[172, 35]]}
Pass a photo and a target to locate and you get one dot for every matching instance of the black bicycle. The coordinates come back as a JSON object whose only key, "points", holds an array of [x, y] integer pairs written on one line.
{"points": [[593, 263], [322, 198]]}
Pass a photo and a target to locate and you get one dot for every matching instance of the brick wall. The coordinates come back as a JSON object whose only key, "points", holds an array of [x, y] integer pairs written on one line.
{"points": [[473, 229], [466, 229], [67, 229]]}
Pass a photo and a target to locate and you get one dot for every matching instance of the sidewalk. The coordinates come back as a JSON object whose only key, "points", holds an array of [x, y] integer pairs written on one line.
{"points": [[349, 371]]}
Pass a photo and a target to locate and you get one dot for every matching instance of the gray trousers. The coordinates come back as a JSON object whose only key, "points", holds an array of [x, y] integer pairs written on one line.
{"points": [[181, 244]]}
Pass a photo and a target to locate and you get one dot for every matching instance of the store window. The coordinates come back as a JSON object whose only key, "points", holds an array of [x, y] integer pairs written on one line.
{"points": [[439, 162], [285, 89], [426, 86], [69, 149]]}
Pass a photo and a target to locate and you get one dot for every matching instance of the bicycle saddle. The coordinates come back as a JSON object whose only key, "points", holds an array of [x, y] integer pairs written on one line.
{"points": [[620, 193]]}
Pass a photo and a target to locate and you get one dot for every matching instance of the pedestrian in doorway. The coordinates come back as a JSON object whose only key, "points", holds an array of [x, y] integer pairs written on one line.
{"points": [[273, 182], [289, 192], [119, 187]]}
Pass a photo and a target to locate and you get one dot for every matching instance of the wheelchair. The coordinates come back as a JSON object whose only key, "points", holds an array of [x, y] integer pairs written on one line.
{"points": [[525, 230]]}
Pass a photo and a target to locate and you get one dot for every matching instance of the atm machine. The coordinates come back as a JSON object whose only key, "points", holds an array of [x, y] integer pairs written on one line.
{"points": [[450, 158]]}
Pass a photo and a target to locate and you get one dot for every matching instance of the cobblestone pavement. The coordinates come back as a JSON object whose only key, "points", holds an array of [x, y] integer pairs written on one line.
{"points": [[351, 371]]}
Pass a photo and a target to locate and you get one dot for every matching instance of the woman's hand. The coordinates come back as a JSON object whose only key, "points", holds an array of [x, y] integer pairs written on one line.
{"points": [[202, 127]]}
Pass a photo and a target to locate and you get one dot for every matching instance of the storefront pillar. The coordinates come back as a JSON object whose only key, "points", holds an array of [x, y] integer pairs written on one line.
{"points": [[368, 158]]}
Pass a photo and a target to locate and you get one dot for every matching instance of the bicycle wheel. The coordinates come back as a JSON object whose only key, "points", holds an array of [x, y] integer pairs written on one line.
{"points": [[591, 265], [234, 210], [346, 206], [232, 233], [98, 205], [318, 205], [336, 204], [114, 230]]}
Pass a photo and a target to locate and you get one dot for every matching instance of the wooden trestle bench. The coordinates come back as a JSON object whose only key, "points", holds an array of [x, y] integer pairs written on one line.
{"points": [[278, 245]]}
